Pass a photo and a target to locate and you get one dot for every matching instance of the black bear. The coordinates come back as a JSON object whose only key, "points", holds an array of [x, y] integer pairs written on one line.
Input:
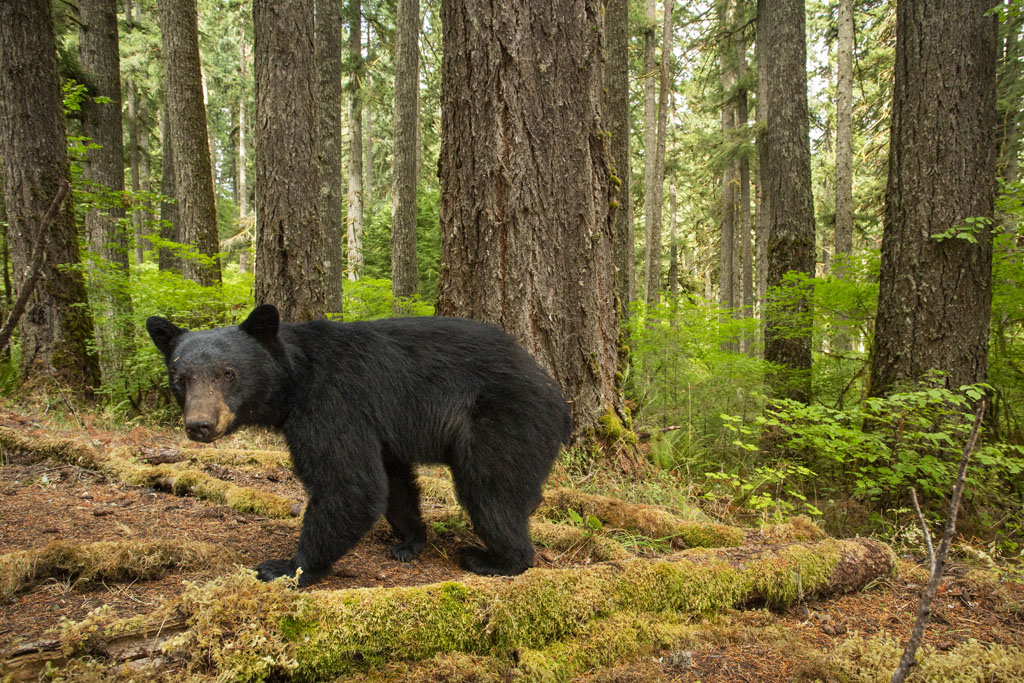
{"points": [[360, 404]]}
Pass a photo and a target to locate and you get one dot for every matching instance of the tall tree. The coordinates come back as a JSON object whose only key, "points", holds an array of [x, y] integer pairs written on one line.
{"points": [[169, 228], [650, 139], [618, 118], [745, 295], [56, 330], [186, 119], [727, 258], [104, 169], [243, 151], [786, 171], [844, 134], [132, 17], [405, 173], [525, 189], [354, 210], [934, 289], [291, 268], [328, 114]]}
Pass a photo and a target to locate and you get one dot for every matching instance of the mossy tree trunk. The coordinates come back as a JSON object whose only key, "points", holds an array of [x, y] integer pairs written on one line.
{"points": [[56, 329], [525, 189]]}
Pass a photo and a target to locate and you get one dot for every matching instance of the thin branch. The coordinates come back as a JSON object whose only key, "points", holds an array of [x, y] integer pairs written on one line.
{"points": [[36, 267], [924, 529], [925, 612]]}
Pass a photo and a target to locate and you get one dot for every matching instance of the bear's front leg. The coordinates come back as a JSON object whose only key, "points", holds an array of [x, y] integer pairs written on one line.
{"points": [[331, 525]]}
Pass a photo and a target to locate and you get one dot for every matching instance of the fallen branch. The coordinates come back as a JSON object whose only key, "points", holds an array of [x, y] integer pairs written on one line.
{"points": [[939, 561], [35, 270], [238, 627]]}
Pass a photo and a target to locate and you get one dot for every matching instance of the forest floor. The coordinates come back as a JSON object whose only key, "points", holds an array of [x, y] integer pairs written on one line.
{"points": [[45, 501]]}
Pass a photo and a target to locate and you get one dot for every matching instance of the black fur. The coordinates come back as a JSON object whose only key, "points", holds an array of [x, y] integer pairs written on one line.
{"points": [[361, 403]]}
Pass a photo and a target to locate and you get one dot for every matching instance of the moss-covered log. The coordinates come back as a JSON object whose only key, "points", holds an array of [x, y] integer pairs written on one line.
{"points": [[106, 561], [248, 630], [120, 463]]}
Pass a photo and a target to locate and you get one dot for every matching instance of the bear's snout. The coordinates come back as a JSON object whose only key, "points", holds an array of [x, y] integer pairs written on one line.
{"points": [[201, 430], [207, 415]]}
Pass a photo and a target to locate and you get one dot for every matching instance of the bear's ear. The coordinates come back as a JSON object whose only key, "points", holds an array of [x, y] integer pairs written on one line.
{"points": [[164, 334], [262, 324]]}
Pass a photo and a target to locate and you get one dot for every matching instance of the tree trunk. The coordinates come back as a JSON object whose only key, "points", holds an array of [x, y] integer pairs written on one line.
{"points": [[525, 189], [935, 292], [658, 189], [291, 266], [354, 211], [1009, 100], [104, 171], [673, 251], [746, 260], [786, 170], [404, 278], [763, 205], [186, 117], [169, 227], [844, 136], [650, 150], [727, 296], [618, 118], [57, 328], [328, 115], [243, 187]]}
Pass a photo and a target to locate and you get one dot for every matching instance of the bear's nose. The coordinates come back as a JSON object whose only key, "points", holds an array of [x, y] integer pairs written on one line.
{"points": [[199, 430]]}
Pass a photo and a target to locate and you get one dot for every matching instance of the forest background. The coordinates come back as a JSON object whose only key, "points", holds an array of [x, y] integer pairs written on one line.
{"points": [[365, 164]]}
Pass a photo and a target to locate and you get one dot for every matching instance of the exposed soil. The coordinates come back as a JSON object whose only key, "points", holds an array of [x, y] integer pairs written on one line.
{"points": [[43, 502]]}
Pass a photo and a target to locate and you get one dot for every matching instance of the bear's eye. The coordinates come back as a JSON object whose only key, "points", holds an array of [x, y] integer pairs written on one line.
{"points": [[181, 381], [229, 375]]}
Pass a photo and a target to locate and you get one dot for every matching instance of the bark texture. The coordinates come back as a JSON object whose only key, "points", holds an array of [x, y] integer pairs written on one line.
{"points": [[57, 326], [104, 172], [844, 134], [404, 277], [525, 189], [186, 118], [618, 118], [291, 268], [786, 171], [328, 114], [651, 261], [354, 207], [169, 228], [730, 180], [935, 295]]}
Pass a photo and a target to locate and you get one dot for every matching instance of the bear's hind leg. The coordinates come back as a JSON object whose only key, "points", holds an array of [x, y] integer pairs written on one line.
{"points": [[403, 512]]}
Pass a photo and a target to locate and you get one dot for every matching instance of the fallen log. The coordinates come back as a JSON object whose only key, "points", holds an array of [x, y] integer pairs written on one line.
{"points": [[236, 627], [107, 561], [121, 464]]}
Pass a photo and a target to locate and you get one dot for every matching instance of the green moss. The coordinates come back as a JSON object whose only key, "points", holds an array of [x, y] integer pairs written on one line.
{"points": [[603, 643], [248, 630], [611, 429], [859, 659]]}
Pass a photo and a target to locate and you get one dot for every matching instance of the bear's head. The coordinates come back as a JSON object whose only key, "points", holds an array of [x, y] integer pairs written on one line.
{"points": [[226, 377]]}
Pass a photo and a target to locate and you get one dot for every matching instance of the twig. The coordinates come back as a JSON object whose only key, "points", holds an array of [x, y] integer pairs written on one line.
{"points": [[925, 612], [36, 268], [924, 528]]}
